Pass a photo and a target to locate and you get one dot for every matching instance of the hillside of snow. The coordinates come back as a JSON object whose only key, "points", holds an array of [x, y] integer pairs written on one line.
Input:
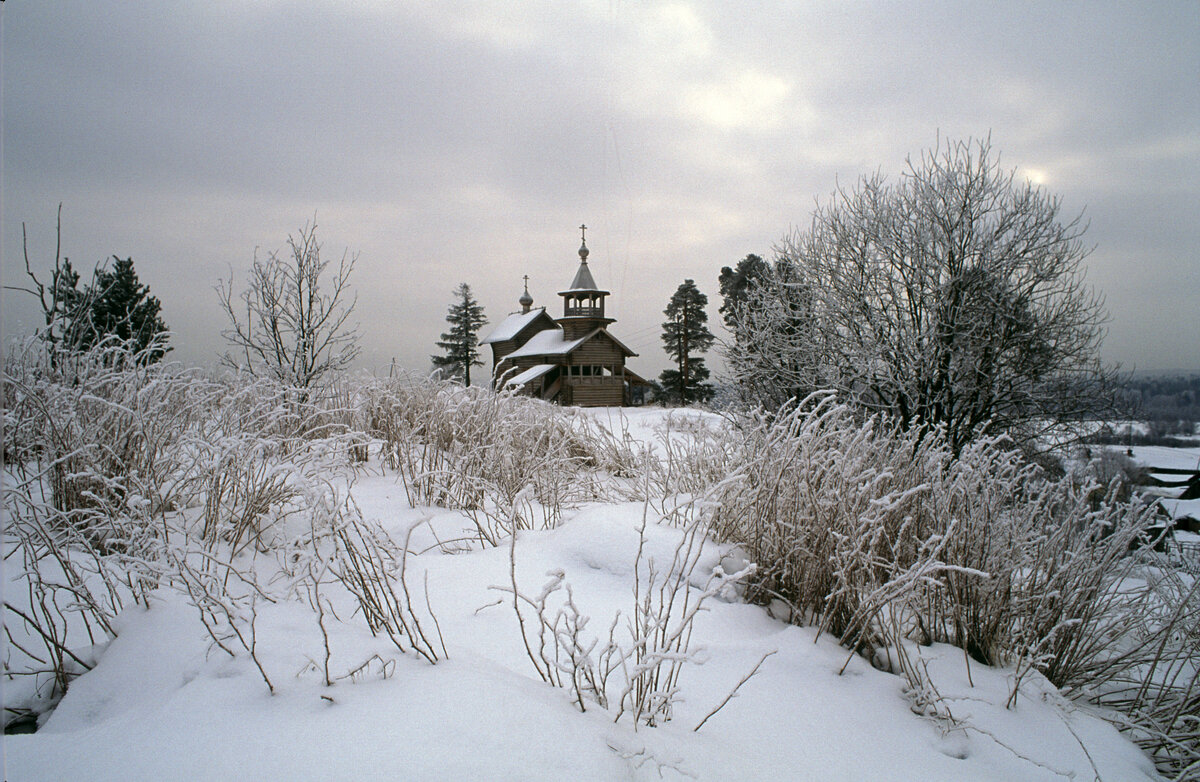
{"points": [[163, 703]]}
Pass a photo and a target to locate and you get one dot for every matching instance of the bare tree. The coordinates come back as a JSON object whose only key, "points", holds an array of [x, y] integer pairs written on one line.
{"points": [[952, 298], [65, 307], [291, 321]]}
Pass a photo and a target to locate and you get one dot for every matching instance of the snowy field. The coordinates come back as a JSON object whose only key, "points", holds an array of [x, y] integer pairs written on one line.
{"points": [[162, 704], [1165, 458]]}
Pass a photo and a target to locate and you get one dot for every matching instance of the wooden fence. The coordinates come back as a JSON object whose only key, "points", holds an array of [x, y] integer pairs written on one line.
{"points": [[1188, 554], [1185, 553]]}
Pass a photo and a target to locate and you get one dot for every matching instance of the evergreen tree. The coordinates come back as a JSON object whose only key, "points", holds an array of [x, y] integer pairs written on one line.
{"points": [[122, 307], [461, 342], [774, 355], [735, 285], [115, 304], [685, 335]]}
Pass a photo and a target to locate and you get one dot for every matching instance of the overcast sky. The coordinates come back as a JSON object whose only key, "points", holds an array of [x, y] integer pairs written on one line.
{"points": [[448, 142]]}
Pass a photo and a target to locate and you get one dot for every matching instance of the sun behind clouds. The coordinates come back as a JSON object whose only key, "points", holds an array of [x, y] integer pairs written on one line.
{"points": [[1037, 176]]}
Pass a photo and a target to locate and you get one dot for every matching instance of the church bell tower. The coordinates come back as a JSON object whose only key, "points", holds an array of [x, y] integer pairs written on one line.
{"points": [[583, 301]]}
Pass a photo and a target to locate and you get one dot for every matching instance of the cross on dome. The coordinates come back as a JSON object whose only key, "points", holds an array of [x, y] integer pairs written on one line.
{"points": [[526, 301]]}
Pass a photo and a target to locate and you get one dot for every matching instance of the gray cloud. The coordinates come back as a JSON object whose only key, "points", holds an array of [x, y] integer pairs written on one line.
{"points": [[463, 141]]}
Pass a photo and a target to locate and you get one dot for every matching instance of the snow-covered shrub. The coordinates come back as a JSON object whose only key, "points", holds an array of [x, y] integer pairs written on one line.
{"points": [[635, 668], [226, 598], [660, 628], [92, 470], [246, 461], [338, 411], [831, 512], [348, 569], [99, 423], [245, 488], [612, 452], [477, 451], [695, 454], [124, 475], [371, 566], [1150, 681], [58, 623], [292, 500], [879, 535]]}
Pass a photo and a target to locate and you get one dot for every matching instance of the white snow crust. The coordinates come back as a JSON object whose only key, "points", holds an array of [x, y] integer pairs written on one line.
{"points": [[161, 706]]}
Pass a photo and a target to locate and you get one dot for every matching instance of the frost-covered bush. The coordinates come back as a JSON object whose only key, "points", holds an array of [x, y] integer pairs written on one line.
{"points": [[371, 567], [89, 470], [830, 510], [695, 455], [257, 460], [635, 667], [100, 423], [122, 476], [879, 535], [477, 451]]}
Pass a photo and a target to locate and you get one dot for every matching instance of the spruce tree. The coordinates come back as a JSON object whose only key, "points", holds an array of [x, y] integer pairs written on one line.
{"points": [[735, 284], [684, 336], [461, 342], [122, 307]]}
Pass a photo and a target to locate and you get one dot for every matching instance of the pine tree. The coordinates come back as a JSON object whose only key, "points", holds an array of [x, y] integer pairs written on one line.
{"points": [[114, 304], [735, 286], [122, 307], [685, 335], [461, 342]]}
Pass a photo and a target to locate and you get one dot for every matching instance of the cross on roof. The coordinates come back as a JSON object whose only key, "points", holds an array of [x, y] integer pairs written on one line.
{"points": [[583, 232]]}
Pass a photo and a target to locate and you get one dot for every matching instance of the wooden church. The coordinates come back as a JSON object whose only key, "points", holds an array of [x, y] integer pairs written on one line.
{"points": [[571, 360]]}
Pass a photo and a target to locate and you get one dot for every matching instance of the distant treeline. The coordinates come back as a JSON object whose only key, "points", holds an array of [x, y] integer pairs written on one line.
{"points": [[1169, 406], [1107, 436]]}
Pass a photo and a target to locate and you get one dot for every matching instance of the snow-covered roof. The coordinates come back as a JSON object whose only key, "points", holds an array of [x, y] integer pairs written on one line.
{"points": [[551, 342], [547, 343], [512, 326], [533, 373], [1178, 509]]}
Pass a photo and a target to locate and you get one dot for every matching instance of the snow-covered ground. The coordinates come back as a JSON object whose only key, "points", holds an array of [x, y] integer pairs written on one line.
{"points": [[1177, 509], [1166, 458], [162, 705]]}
